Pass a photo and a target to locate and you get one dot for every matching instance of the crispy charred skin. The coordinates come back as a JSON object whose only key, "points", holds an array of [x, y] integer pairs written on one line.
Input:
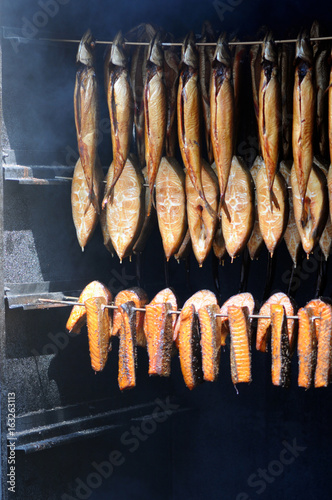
{"points": [[155, 111], [188, 113], [240, 353], [205, 70], [272, 220], [120, 106], [303, 120], [222, 112], [286, 69], [323, 337], [127, 347], [280, 369], [165, 296], [237, 213], [242, 300], [256, 241], [171, 205], [171, 75], [202, 224], [159, 336], [269, 110], [306, 347], [85, 109], [317, 201], [264, 324], [140, 299], [189, 347], [292, 236], [85, 221], [126, 211], [149, 220], [210, 328], [77, 316], [97, 319]]}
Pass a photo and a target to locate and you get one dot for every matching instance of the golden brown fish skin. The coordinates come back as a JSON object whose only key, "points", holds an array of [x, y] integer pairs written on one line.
{"points": [[317, 201], [325, 241], [86, 113], [155, 111], [127, 347], [222, 112], [280, 351], [205, 71], [330, 114], [97, 319], [185, 247], [272, 220], [256, 241], [159, 336], [239, 56], [140, 299], [171, 205], [189, 348], [171, 76], [202, 225], [269, 109], [120, 106], [306, 347], [303, 119], [286, 69], [255, 69], [149, 221], [77, 316], [241, 300], [240, 351], [210, 329], [85, 221], [165, 296], [238, 209]]}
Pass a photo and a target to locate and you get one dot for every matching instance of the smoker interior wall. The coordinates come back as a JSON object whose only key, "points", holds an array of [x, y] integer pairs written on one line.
{"points": [[217, 442]]}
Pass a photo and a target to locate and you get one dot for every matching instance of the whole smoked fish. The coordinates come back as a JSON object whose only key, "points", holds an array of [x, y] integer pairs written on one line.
{"points": [[140, 299], [171, 76], [237, 212], [120, 106], [149, 221], [98, 321], [159, 337], [171, 205], [205, 69], [86, 116], [155, 111], [269, 111], [241, 300], [306, 347], [210, 329], [303, 120], [127, 347], [280, 350], [222, 112], [286, 69]]}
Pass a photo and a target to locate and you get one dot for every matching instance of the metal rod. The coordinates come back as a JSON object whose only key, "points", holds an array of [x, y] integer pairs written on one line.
{"points": [[142, 309], [70, 179]]}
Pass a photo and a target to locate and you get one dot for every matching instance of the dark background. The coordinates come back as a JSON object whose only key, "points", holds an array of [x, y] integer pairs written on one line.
{"points": [[219, 436]]}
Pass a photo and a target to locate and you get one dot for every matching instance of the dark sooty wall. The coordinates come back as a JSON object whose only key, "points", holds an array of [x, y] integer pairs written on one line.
{"points": [[214, 442]]}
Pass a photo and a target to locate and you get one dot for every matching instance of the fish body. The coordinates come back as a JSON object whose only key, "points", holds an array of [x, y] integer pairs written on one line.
{"points": [[205, 70], [86, 113], [239, 56], [280, 351], [127, 347], [189, 347], [286, 69], [210, 329], [222, 112], [255, 56], [185, 247], [256, 241], [306, 347], [171, 76], [241, 300], [164, 296], [97, 319], [240, 352], [159, 336], [139, 297], [149, 221]]}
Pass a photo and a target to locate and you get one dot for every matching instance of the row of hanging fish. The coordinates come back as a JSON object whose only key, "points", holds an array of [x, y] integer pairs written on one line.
{"points": [[201, 329], [161, 98]]}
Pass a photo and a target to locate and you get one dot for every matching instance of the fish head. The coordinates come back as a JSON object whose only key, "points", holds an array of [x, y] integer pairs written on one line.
{"points": [[222, 53], [85, 49], [118, 57], [269, 52], [155, 52], [189, 51], [303, 49]]}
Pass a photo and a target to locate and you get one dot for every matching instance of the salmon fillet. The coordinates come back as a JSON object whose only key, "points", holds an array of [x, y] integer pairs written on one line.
{"points": [[159, 338], [210, 329], [140, 299], [240, 355], [127, 347], [164, 296], [198, 300], [256, 241], [97, 319], [240, 300], [189, 348], [306, 347], [280, 369]]}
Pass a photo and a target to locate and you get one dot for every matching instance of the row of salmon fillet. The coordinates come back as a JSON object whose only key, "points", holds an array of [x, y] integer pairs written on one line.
{"points": [[199, 331]]}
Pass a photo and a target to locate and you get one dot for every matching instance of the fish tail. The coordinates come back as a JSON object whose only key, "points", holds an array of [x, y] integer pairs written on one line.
{"points": [[273, 200], [305, 216], [225, 207]]}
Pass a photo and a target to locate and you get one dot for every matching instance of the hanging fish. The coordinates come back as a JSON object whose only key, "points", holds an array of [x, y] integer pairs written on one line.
{"points": [[306, 347], [120, 106], [286, 71], [240, 348], [241, 300], [269, 111], [210, 329], [127, 347], [149, 220], [86, 114], [185, 247], [205, 70], [140, 299], [159, 336], [303, 119], [222, 112], [256, 241], [171, 75], [239, 54], [165, 296], [330, 113], [98, 321], [155, 111], [255, 70], [280, 350]]}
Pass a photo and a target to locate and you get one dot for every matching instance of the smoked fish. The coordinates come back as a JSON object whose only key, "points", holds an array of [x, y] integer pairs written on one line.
{"points": [[98, 321], [159, 337], [171, 76], [139, 297], [241, 300], [149, 221], [240, 352], [205, 70], [127, 347], [280, 350], [306, 347], [189, 347], [210, 329], [286, 71], [164, 296], [256, 241]]}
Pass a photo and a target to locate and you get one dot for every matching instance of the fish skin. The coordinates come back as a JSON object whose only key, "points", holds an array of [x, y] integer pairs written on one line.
{"points": [[255, 55], [240, 352], [165, 296], [171, 76], [325, 241], [205, 70], [239, 57], [77, 316], [189, 348], [242, 300], [330, 114], [269, 109], [149, 220], [97, 319], [125, 212], [159, 336], [120, 106], [127, 347], [85, 221], [86, 113], [202, 225], [238, 209], [210, 329], [222, 112], [286, 69], [155, 112], [263, 334], [171, 205], [272, 220], [280, 350], [139, 297], [306, 347], [303, 119], [323, 338], [184, 248], [317, 201], [255, 243]]}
